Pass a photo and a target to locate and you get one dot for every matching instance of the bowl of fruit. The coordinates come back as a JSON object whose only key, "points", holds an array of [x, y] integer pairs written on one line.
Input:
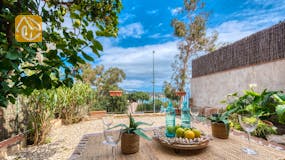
{"points": [[185, 138]]}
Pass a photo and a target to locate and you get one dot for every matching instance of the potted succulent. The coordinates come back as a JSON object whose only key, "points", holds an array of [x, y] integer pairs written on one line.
{"points": [[130, 139], [220, 124]]}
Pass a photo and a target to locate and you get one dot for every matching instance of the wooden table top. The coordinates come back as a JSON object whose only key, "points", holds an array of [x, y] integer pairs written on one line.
{"points": [[91, 148]]}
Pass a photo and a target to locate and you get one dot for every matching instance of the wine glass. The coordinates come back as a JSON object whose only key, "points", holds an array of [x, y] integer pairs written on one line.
{"points": [[112, 138], [194, 113], [249, 123], [107, 120]]}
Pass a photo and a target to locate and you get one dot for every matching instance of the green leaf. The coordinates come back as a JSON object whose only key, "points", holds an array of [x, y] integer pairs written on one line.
{"points": [[12, 55], [119, 125], [140, 133], [90, 35], [281, 96], [98, 45], [46, 81], [280, 110], [143, 123], [86, 56]]}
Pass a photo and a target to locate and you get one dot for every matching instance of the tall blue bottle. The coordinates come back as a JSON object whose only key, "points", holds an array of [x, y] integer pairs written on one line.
{"points": [[170, 121], [185, 116]]}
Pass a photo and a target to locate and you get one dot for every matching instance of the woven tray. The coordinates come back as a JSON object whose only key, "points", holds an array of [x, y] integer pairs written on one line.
{"points": [[180, 143]]}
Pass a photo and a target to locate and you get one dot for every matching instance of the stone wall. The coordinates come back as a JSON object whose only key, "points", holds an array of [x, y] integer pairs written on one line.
{"points": [[209, 90], [11, 121]]}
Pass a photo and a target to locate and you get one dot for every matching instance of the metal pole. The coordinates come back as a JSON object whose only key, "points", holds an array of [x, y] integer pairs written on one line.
{"points": [[153, 81]]}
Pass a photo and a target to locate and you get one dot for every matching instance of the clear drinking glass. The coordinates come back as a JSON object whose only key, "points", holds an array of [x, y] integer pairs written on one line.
{"points": [[249, 123], [107, 120], [194, 111], [112, 138]]}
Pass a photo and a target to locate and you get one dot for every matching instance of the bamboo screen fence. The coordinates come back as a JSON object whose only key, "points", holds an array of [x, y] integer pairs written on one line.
{"points": [[264, 46]]}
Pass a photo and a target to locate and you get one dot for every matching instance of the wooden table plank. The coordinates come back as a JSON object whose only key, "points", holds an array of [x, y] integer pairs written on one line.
{"points": [[218, 149]]}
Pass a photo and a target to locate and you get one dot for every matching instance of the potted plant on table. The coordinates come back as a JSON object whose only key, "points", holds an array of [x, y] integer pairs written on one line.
{"points": [[220, 124], [130, 139]]}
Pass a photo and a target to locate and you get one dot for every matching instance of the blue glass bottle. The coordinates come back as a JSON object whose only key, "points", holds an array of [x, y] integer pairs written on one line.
{"points": [[185, 116], [170, 121]]}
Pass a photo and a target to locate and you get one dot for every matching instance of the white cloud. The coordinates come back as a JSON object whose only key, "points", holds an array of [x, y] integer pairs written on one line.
{"points": [[253, 20], [231, 31], [137, 64], [125, 17], [132, 85], [158, 35], [152, 11], [134, 30], [175, 11]]}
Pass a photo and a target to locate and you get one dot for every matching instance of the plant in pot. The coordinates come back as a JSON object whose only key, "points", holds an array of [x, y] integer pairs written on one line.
{"points": [[130, 139], [269, 106], [220, 124]]}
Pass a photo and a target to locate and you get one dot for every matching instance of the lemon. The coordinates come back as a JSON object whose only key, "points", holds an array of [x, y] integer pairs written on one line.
{"points": [[189, 134], [180, 132], [197, 133]]}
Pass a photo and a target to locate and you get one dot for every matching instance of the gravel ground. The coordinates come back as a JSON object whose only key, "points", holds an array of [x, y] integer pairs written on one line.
{"points": [[64, 139]]}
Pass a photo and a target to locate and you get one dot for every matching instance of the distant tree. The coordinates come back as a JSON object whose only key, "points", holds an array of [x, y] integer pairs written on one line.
{"points": [[29, 66], [194, 39], [169, 91], [103, 82], [136, 96]]}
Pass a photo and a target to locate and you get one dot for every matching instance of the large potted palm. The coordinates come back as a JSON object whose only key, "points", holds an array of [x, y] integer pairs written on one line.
{"points": [[130, 139]]}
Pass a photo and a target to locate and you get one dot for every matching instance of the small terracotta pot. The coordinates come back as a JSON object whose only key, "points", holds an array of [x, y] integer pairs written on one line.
{"points": [[130, 143], [220, 130], [178, 111], [97, 114]]}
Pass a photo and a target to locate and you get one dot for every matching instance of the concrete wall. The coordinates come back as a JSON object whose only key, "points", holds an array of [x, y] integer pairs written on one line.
{"points": [[209, 90]]}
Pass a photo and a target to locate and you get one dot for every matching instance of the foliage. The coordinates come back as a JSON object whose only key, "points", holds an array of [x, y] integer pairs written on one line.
{"points": [[169, 91], [222, 117], [147, 107], [265, 104], [133, 128], [136, 96], [117, 104], [70, 104], [39, 110], [262, 129], [29, 66], [73, 103], [103, 82], [192, 32]]}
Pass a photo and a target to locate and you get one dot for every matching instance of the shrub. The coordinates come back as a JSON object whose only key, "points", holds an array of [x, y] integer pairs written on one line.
{"points": [[262, 129], [39, 110], [147, 107], [117, 104], [73, 103]]}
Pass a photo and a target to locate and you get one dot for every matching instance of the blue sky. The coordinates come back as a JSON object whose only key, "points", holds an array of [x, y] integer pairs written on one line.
{"points": [[145, 27]]}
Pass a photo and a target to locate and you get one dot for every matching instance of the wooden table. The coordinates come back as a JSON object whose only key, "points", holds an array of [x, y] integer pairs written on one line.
{"points": [[91, 148]]}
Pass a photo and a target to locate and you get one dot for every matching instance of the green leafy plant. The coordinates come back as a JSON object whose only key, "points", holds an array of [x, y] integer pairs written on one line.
{"points": [[73, 103], [133, 128], [39, 110], [222, 117], [29, 66], [263, 129], [265, 105]]}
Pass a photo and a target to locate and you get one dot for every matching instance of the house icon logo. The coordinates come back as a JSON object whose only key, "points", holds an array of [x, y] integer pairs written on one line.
{"points": [[28, 28]]}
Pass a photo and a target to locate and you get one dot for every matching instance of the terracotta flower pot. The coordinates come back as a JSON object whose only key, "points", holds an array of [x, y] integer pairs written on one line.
{"points": [[180, 93], [130, 143], [178, 111], [220, 130], [97, 114]]}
